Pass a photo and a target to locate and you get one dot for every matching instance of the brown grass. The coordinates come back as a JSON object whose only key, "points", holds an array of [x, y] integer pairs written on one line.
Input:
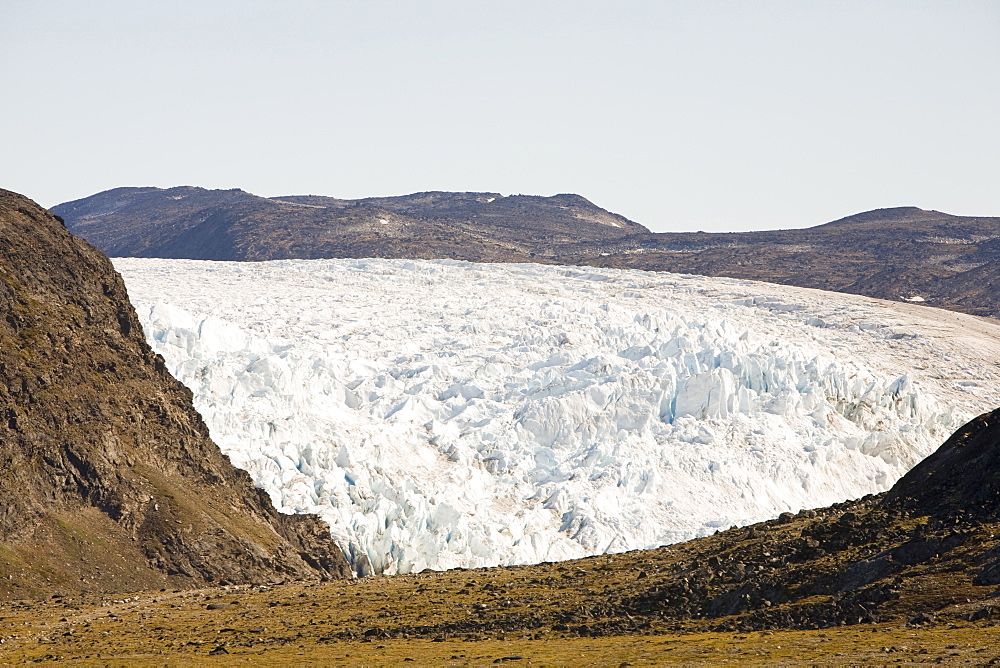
{"points": [[333, 624]]}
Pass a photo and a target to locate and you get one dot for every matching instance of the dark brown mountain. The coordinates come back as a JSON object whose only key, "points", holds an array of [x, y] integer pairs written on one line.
{"points": [[108, 478], [902, 253], [188, 222]]}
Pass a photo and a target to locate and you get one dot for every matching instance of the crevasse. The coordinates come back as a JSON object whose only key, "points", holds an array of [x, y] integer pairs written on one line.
{"points": [[444, 414]]}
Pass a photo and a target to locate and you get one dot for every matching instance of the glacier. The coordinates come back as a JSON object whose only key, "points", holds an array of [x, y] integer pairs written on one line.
{"points": [[442, 414]]}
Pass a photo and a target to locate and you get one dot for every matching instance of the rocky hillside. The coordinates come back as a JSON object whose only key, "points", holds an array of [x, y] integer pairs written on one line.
{"points": [[188, 222], [907, 253], [108, 478]]}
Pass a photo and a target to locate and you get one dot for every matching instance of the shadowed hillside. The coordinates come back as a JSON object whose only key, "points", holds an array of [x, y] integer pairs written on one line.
{"points": [[108, 478]]}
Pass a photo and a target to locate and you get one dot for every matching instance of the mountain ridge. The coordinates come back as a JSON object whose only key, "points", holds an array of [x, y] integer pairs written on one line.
{"points": [[898, 253], [191, 222], [894, 213]]}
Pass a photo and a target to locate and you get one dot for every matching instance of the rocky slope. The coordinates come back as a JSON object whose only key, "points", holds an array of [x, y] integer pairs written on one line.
{"points": [[188, 222], [903, 253], [108, 479]]}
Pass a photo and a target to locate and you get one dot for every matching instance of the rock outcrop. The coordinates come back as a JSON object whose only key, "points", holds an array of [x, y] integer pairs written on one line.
{"points": [[108, 478], [961, 480]]}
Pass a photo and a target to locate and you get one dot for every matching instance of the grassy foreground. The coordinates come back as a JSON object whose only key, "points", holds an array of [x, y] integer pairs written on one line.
{"points": [[344, 623]]}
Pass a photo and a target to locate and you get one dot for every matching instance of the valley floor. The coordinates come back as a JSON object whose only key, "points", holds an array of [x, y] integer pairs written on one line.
{"points": [[345, 622]]}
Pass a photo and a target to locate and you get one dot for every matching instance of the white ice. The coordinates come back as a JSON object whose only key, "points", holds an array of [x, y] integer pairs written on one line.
{"points": [[441, 414]]}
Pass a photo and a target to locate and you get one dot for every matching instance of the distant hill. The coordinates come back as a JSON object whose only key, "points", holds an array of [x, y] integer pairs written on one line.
{"points": [[108, 478], [904, 253], [189, 222]]}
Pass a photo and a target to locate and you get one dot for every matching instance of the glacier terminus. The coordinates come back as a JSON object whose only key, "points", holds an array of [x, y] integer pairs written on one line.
{"points": [[444, 414]]}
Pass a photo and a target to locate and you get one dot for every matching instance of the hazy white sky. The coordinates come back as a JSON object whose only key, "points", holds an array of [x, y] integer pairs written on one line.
{"points": [[686, 115]]}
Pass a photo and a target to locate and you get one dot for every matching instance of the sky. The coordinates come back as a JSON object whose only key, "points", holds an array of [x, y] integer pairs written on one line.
{"points": [[690, 115]]}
